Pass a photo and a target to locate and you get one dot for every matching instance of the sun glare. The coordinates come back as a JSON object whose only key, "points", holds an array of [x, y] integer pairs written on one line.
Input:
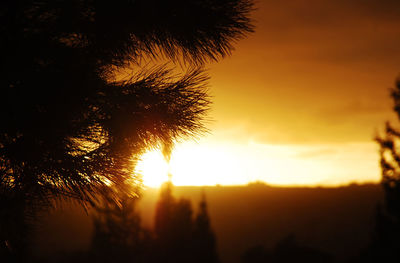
{"points": [[198, 164], [153, 168]]}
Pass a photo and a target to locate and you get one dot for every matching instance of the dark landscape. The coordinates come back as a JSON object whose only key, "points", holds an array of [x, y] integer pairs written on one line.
{"points": [[338, 221]]}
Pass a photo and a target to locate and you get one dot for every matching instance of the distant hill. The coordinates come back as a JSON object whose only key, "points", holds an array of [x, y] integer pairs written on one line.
{"points": [[335, 220]]}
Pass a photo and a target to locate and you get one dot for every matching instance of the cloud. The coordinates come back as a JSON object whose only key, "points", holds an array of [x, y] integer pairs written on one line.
{"points": [[313, 72], [335, 31]]}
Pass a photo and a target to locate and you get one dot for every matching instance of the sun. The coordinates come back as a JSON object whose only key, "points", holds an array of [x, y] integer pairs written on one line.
{"points": [[237, 163], [191, 164], [153, 168]]}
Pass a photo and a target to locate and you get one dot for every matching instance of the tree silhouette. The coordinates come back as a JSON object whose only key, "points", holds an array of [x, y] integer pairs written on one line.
{"points": [[118, 235], [67, 127], [173, 227], [204, 237], [179, 236], [390, 161], [385, 245]]}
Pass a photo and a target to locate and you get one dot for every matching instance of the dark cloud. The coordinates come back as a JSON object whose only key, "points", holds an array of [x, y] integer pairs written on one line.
{"points": [[337, 31], [303, 13]]}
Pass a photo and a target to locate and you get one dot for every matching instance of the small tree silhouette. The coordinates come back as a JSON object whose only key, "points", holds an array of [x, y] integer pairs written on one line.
{"points": [[390, 161], [385, 245], [118, 235], [204, 237], [180, 237], [173, 227]]}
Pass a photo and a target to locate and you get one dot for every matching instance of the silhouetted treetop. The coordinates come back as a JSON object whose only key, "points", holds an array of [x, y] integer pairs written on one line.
{"points": [[180, 236], [390, 160], [118, 31], [66, 129], [204, 237], [385, 245]]}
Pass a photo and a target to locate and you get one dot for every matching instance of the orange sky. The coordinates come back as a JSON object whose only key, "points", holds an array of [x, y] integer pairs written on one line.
{"points": [[309, 88]]}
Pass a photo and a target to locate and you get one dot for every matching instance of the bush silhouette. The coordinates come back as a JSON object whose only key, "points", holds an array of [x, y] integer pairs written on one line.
{"points": [[287, 250]]}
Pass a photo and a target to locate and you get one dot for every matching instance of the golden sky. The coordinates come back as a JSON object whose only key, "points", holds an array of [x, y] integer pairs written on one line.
{"points": [[300, 100]]}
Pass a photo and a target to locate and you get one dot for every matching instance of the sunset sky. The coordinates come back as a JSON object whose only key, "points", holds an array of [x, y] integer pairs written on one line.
{"points": [[299, 101]]}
